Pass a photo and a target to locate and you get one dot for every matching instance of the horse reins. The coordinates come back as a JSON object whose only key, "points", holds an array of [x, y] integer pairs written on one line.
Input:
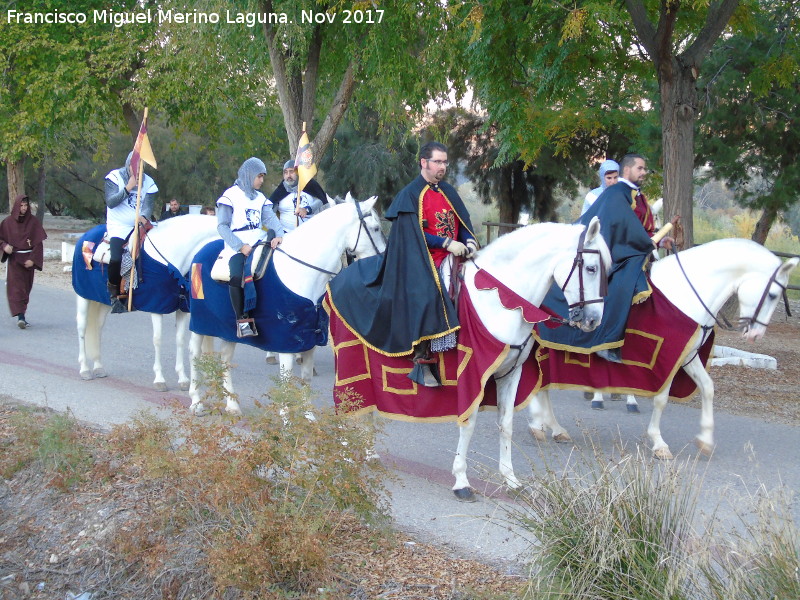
{"points": [[743, 321], [362, 225]]}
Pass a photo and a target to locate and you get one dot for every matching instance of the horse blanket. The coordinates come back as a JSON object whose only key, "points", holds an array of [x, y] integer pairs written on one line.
{"points": [[161, 290], [658, 339], [286, 322], [371, 380]]}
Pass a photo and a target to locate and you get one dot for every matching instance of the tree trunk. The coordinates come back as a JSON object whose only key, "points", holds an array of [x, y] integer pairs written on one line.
{"points": [[764, 224], [678, 114], [40, 191], [15, 173]]}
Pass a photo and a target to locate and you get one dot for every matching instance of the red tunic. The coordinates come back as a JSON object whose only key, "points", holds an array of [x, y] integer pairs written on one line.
{"points": [[439, 219], [642, 210]]}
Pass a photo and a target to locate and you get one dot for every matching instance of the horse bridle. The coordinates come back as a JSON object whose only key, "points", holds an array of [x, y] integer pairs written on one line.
{"points": [[577, 265], [743, 321], [362, 226]]}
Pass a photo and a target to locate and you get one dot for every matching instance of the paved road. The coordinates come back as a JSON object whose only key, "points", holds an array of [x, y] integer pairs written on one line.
{"points": [[40, 365]]}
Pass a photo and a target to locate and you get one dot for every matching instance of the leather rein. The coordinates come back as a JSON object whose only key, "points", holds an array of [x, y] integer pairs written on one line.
{"points": [[743, 321], [577, 266]]}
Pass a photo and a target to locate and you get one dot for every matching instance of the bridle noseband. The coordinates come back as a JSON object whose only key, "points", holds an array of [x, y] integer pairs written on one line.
{"points": [[577, 265]]}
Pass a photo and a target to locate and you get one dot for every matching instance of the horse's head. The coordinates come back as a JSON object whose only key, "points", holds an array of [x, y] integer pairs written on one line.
{"points": [[584, 279], [758, 295], [366, 237]]}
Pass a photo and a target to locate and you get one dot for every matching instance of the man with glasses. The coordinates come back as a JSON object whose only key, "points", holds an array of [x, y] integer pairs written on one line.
{"points": [[399, 303]]}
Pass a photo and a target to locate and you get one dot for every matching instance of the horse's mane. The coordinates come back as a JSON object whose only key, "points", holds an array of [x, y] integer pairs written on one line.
{"points": [[739, 248], [510, 244]]}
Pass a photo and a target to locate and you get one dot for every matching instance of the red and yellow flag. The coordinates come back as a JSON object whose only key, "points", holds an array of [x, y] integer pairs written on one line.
{"points": [[142, 149], [304, 163]]}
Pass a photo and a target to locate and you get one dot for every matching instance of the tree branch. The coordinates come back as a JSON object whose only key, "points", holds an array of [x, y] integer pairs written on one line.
{"points": [[334, 117], [719, 13], [644, 29]]}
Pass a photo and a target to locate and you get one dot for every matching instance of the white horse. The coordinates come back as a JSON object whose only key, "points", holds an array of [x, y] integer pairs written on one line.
{"points": [[526, 261], [716, 270], [175, 240], [309, 256]]}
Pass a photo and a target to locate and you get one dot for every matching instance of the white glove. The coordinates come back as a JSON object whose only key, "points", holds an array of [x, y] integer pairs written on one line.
{"points": [[472, 247], [456, 248]]}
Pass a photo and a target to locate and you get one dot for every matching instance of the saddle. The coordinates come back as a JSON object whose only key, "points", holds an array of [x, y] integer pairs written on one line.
{"points": [[102, 254], [221, 272]]}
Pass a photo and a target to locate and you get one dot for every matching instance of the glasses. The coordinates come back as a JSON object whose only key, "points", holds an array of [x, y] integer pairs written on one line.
{"points": [[442, 163]]}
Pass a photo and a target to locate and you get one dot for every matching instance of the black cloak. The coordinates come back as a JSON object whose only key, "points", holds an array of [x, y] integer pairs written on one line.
{"points": [[312, 189], [630, 247], [394, 300]]}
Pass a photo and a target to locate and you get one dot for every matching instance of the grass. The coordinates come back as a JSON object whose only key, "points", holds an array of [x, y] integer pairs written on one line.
{"points": [[628, 527]]}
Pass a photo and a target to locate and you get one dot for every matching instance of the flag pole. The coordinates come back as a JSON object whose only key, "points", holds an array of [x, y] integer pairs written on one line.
{"points": [[133, 244], [297, 200]]}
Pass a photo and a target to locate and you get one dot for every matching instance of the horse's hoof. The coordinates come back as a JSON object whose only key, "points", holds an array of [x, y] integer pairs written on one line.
{"points": [[663, 454], [86, 375], [233, 411], [100, 373], [616, 396], [465, 495], [271, 360], [160, 386], [538, 434], [184, 385], [632, 408], [705, 449], [198, 410], [562, 438], [588, 395], [598, 405]]}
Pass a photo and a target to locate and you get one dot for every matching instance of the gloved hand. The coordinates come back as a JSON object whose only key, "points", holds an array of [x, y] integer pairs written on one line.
{"points": [[456, 248], [472, 247]]}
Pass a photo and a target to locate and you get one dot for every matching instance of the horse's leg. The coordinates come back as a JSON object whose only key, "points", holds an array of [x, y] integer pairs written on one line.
{"points": [[287, 364], [307, 365], [271, 358], [181, 328], [541, 418], [90, 318], [226, 356], [81, 320], [461, 488], [696, 370], [631, 404], [196, 343], [597, 401], [506, 393], [158, 323], [660, 447]]}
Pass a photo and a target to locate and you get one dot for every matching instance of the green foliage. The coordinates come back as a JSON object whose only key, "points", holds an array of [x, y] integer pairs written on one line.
{"points": [[369, 159], [750, 138], [51, 440], [266, 500]]}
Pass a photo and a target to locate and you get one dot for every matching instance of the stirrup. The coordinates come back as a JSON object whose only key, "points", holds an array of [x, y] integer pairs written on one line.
{"points": [[246, 328], [118, 306]]}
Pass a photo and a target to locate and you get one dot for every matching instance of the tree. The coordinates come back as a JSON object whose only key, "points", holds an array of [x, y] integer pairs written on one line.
{"points": [[748, 123], [60, 83], [547, 73], [326, 55]]}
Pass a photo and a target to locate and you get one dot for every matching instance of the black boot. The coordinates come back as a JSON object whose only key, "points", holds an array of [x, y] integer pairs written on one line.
{"points": [[117, 305], [245, 327]]}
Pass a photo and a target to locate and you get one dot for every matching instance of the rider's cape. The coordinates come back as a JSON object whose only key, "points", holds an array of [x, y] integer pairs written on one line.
{"points": [[394, 300], [630, 248]]}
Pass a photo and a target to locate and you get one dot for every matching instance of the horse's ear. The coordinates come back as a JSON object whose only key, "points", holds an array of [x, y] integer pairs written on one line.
{"points": [[368, 204], [656, 207], [593, 229], [788, 267], [348, 198]]}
